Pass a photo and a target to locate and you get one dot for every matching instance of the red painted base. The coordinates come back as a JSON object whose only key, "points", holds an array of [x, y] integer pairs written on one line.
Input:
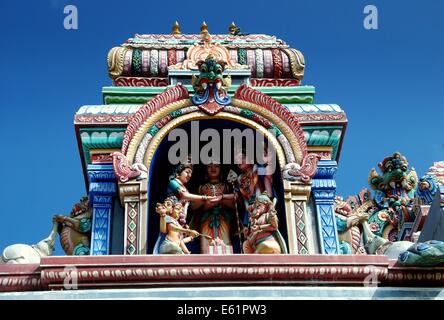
{"points": [[213, 270]]}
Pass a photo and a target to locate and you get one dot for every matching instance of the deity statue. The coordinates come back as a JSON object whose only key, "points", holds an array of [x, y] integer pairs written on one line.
{"points": [[251, 182], [215, 219], [178, 192], [262, 234], [350, 215], [171, 240]]}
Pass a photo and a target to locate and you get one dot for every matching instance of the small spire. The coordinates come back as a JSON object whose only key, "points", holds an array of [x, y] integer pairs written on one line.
{"points": [[204, 28], [176, 29], [232, 29]]}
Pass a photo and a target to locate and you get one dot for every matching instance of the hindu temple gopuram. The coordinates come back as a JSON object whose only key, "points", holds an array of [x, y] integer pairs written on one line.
{"points": [[235, 222]]}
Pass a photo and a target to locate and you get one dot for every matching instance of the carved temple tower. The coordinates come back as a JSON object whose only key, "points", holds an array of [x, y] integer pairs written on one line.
{"points": [[123, 145]]}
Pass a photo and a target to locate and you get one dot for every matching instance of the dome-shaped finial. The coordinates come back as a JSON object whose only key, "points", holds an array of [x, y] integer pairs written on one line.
{"points": [[204, 27], [176, 29], [232, 29]]}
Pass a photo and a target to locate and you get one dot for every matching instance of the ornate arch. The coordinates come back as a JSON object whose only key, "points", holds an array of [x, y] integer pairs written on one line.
{"points": [[199, 115], [250, 107], [164, 107]]}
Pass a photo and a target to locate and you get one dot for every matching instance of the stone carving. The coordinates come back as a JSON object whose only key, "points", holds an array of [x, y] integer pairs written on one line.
{"points": [[75, 229], [23, 253], [211, 86], [262, 234], [126, 171], [304, 172]]}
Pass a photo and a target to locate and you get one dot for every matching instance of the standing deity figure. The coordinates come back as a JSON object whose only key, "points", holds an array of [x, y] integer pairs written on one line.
{"points": [[171, 238], [249, 184], [262, 234], [213, 218]]}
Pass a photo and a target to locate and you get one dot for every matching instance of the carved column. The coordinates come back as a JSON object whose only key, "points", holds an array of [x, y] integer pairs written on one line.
{"points": [[102, 189], [300, 234], [133, 196], [324, 192]]}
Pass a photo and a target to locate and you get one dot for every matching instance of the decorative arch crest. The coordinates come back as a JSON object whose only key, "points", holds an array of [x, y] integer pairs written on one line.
{"points": [[171, 95], [249, 95]]}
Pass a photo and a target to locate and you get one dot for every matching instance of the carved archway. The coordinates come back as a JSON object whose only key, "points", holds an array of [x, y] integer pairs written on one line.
{"points": [[250, 107], [160, 110]]}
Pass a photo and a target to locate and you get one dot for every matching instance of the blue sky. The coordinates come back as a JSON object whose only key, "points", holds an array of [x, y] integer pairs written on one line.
{"points": [[389, 81]]}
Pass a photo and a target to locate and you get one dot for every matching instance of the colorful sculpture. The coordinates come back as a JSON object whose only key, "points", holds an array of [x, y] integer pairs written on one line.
{"points": [[348, 222], [211, 86], [304, 172], [249, 184], [75, 230], [394, 194], [171, 240], [124, 171], [427, 254], [262, 234], [177, 190], [216, 219], [426, 190]]}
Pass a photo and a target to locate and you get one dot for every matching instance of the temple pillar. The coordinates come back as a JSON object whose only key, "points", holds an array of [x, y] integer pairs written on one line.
{"points": [[102, 189], [133, 196], [300, 234], [324, 192]]}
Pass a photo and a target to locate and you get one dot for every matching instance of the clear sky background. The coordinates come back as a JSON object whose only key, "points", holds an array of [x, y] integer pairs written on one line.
{"points": [[389, 81]]}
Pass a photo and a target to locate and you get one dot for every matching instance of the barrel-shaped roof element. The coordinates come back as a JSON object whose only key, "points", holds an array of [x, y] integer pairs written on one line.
{"points": [[152, 55]]}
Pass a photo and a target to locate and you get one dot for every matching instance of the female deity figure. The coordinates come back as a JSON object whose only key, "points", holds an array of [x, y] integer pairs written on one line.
{"points": [[215, 219], [177, 191], [171, 240], [262, 234]]}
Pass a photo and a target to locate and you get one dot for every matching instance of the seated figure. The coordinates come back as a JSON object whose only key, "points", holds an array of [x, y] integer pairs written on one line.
{"points": [[262, 234]]}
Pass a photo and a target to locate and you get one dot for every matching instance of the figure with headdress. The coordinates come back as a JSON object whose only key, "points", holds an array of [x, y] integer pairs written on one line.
{"points": [[262, 234], [212, 218], [249, 184], [171, 238], [178, 192]]}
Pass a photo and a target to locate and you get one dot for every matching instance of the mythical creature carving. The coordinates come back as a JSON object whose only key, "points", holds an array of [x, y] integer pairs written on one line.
{"points": [[23, 253], [126, 171], [75, 230], [394, 194], [304, 172], [211, 86], [426, 254]]}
